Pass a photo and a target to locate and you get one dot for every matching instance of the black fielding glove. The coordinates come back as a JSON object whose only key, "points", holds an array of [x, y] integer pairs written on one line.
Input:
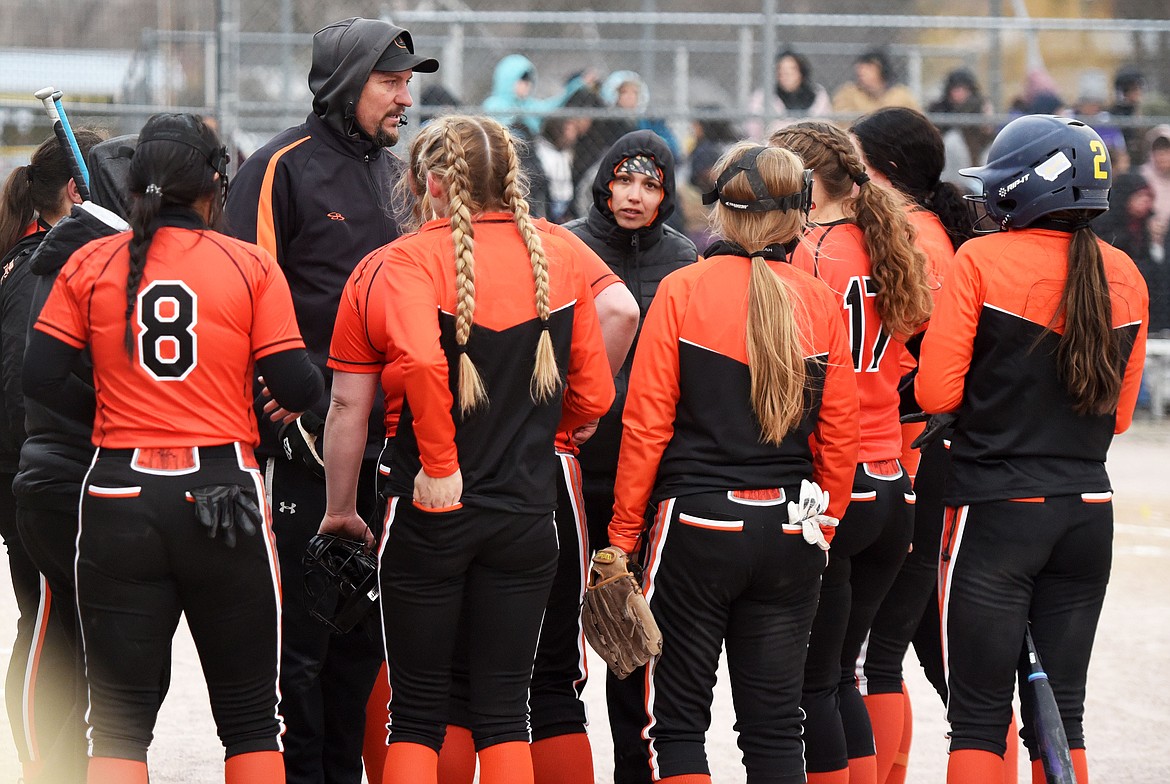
{"points": [[222, 509], [303, 440]]}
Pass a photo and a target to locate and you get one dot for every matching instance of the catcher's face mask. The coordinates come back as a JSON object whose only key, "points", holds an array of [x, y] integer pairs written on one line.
{"points": [[341, 581]]}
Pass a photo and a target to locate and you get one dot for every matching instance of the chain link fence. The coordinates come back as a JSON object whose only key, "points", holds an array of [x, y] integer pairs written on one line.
{"points": [[245, 62]]}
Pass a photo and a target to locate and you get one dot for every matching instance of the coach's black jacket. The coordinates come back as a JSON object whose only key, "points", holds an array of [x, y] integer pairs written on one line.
{"points": [[318, 198], [58, 449], [641, 258]]}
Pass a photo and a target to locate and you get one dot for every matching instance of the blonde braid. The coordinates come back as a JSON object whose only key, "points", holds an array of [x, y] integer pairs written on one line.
{"points": [[546, 377], [472, 393]]}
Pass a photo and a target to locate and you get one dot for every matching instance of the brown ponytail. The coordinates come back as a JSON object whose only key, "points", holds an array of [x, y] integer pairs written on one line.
{"points": [[897, 267], [774, 344], [1088, 356]]}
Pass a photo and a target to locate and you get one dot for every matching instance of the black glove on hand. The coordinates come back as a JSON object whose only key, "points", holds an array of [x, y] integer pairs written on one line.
{"points": [[935, 426], [222, 509], [303, 439]]}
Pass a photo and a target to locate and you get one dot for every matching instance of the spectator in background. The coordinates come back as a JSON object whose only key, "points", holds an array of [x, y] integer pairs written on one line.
{"points": [[794, 96], [627, 90], [434, 100], [555, 149], [1092, 98], [1156, 170], [1126, 226], [511, 101], [712, 137], [964, 143], [1039, 95], [1129, 86], [872, 88]]}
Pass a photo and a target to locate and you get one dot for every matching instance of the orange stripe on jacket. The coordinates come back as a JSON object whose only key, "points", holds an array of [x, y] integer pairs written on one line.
{"points": [[265, 219]]}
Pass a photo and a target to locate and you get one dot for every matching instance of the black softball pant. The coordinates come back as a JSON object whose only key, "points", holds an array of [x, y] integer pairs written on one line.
{"points": [[143, 560], [722, 569], [559, 673], [1003, 565], [43, 683], [909, 613], [867, 552], [492, 570], [325, 678], [58, 693]]}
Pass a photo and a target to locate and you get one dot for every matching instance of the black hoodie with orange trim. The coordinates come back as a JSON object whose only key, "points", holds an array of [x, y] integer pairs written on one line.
{"points": [[317, 196]]}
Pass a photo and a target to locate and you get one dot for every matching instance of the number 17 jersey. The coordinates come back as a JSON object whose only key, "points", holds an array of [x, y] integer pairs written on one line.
{"points": [[835, 253]]}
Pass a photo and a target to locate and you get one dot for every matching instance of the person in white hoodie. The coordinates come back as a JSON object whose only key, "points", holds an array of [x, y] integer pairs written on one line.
{"points": [[1156, 170]]}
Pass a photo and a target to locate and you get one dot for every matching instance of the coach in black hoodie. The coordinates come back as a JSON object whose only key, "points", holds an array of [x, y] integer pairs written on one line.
{"points": [[317, 197]]}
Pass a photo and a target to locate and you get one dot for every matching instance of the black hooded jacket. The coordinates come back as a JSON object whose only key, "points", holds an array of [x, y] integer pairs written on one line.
{"points": [[13, 323], [641, 258], [58, 449], [317, 196]]}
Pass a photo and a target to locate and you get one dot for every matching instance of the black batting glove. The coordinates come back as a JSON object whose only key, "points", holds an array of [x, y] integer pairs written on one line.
{"points": [[935, 426], [224, 509], [303, 440]]}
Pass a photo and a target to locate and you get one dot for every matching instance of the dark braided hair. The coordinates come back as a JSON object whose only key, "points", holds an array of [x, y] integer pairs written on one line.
{"points": [[908, 149], [175, 163]]}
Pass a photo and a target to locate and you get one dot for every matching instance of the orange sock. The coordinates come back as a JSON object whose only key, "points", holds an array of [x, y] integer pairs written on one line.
{"points": [[505, 763], [687, 778], [829, 777], [973, 766], [897, 774], [863, 770], [374, 741], [457, 757], [567, 759], [111, 770], [887, 716], [1080, 765], [256, 767], [1011, 757], [410, 763]]}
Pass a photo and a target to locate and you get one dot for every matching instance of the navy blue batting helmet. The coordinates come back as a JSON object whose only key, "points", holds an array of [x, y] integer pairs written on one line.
{"points": [[1040, 164]]}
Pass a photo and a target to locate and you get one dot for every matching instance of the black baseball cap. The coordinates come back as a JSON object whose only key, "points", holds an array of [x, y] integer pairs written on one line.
{"points": [[400, 56]]}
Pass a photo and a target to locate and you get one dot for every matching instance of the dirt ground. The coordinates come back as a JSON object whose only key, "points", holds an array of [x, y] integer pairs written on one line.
{"points": [[1127, 714]]}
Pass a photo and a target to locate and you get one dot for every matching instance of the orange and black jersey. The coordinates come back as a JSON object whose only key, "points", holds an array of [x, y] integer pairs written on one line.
{"points": [[360, 343], [505, 449], [989, 356], [208, 306], [688, 423], [835, 253]]}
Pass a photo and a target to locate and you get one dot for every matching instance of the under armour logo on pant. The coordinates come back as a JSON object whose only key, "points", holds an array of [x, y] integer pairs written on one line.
{"points": [[289, 508]]}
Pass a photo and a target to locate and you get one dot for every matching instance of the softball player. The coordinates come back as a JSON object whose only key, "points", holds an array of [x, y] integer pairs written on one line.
{"points": [[469, 529], [741, 390], [175, 316], [1037, 347], [902, 150], [861, 245]]}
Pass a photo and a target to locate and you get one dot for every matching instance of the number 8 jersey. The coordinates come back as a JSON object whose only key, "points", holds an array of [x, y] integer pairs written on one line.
{"points": [[207, 307], [835, 253]]}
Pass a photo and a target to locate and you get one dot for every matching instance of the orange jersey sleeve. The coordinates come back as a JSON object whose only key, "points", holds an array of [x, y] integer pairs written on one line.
{"points": [[947, 347], [589, 389]]}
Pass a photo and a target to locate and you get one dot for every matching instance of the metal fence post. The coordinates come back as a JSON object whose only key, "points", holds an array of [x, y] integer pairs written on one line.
{"points": [[744, 73], [227, 104], [451, 70]]}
